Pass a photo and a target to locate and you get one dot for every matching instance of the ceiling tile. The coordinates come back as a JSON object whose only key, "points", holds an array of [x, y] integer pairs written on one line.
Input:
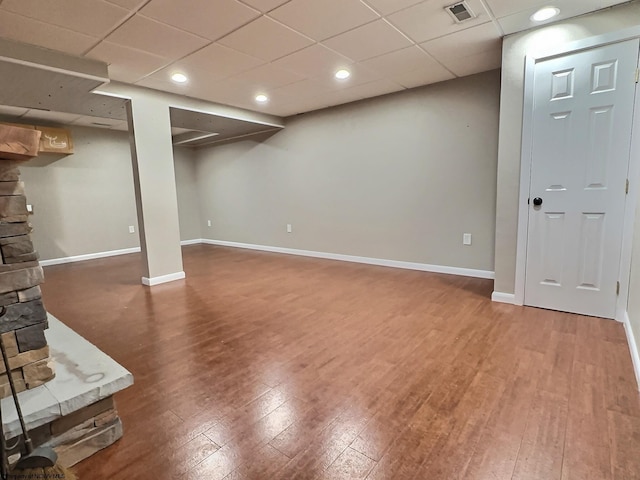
{"points": [[502, 8], [212, 63], [420, 77], [298, 91], [401, 61], [264, 5], [91, 17], [475, 63], [360, 74], [313, 61], [468, 42], [27, 30], [126, 64], [267, 77], [429, 20], [376, 88], [208, 19], [474, 50], [410, 67], [58, 117], [320, 20], [385, 7], [162, 40], [371, 40], [250, 39]]}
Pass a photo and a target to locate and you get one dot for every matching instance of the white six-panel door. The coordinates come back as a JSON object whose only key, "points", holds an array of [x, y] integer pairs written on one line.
{"points": [[582, 123]]}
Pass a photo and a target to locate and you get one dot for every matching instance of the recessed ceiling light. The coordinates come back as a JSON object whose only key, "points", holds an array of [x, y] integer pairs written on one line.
{"points": [[179, 77], [545, 14], [343, 74], [262, 98]]}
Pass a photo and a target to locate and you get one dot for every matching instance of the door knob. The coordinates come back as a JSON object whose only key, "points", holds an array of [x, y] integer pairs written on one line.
{"points": [[537, 201]]}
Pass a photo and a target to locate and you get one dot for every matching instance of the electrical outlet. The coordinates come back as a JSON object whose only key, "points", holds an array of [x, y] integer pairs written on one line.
{"points": [[132, 229], [289, 228], [30, 209], [466, 239], [208, 223]]}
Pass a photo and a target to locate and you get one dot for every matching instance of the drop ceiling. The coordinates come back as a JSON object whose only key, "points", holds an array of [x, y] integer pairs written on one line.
{"points": [[232, 50]]}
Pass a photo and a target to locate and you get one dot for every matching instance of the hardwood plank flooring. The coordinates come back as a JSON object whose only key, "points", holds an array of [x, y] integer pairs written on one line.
{"points": [[267, 366]]}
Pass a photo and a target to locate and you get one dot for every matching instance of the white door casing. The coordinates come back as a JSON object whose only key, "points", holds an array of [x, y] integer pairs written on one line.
{"points": [[581, 137]]}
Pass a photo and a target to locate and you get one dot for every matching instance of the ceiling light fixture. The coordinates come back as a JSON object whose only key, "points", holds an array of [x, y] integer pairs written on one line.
{"points": [[262, 98], [343, 74], [545, 14], [179, 77]]}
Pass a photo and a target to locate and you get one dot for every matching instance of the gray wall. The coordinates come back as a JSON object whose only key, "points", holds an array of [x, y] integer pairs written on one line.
{"points": [[400, 177], [84, 203], [188, 206]]}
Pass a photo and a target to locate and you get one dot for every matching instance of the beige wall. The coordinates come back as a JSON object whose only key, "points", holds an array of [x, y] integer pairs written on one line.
{"points": [[400, 177], [188, 206], [634, 285], [515, 48], [84, 203]]}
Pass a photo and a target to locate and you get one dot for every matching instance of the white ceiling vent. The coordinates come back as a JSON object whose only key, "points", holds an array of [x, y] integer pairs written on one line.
{"points": [[460, 12]]}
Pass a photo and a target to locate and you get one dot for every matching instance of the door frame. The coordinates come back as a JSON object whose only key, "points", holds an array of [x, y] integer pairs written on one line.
{"points": [[525, 165]]}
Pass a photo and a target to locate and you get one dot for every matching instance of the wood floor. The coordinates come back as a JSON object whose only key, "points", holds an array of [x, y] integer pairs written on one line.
{"points": [[265, 366]]}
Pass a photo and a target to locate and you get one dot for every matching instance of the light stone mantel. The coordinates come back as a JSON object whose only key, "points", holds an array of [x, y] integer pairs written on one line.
{"points": [[84, 375]]}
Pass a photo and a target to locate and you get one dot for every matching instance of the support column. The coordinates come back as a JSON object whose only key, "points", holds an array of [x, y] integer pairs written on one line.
{"points": [[155, 189]]}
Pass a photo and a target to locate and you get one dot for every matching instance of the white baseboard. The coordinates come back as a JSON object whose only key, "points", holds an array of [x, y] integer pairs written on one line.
{"points": [[110, 253], [88, 256], [467, 272], [503, 297], [171, 277], [195, 241], [633, 347], [424, 267]]}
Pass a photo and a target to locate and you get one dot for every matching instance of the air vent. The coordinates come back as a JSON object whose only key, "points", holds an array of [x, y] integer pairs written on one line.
{"points": [[460, 12]]}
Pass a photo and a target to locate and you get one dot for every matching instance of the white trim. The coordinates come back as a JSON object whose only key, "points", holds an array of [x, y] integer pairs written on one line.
{"points": [[500, 297], [171, 277], [633, 347], [110, 253], [466, 272], [588, 43], [525, 166], [88, 256], [633, 175], [525, 181], [195, 241]]}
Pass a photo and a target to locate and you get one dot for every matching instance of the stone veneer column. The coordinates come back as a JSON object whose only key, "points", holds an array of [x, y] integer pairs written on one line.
{"points": [[23, 317], [155, 188]]}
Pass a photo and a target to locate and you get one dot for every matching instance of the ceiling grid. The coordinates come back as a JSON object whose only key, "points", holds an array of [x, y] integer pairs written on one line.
{"points": [[288, 50]]}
